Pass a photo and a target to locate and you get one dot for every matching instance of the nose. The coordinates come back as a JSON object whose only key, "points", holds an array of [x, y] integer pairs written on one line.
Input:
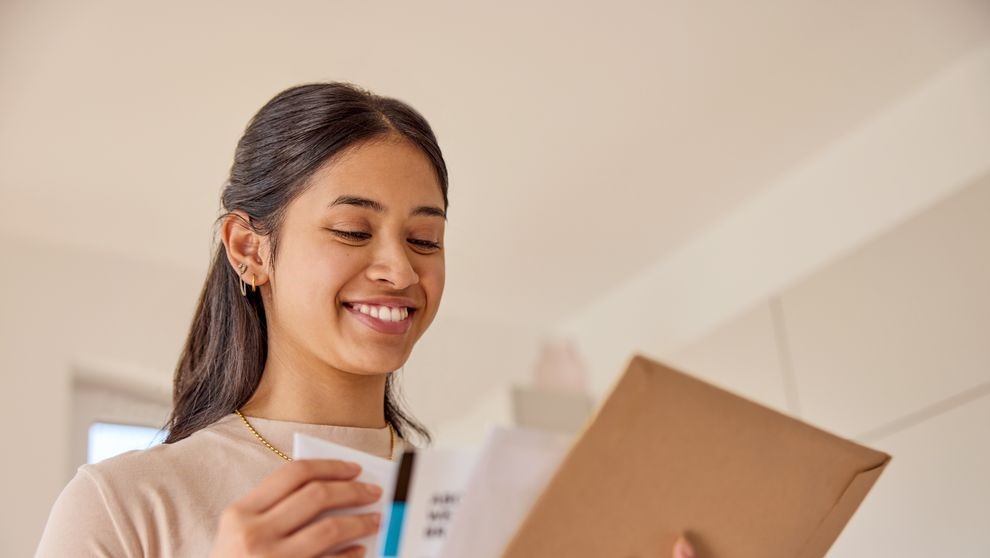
{"points": [[392, 265]]}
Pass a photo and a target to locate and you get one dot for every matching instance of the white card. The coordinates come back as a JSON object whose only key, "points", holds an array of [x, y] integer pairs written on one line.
{"points": [[373, 470]]}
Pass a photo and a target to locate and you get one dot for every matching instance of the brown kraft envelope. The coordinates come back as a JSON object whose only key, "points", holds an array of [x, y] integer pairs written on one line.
{"points": [[667, 453]]}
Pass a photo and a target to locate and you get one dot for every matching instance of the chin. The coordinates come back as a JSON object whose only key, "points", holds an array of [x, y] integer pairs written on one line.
{"points": [[369, 364]]}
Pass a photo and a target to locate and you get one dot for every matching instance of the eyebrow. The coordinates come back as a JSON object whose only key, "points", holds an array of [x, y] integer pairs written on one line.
{"points": [[427, 210]]}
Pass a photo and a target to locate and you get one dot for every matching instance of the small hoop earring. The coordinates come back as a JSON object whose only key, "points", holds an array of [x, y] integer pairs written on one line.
{"points": [[253, 289]]}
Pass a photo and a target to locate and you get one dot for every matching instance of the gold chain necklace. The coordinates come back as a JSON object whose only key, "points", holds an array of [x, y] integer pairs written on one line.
{"points": [[391, 438]]}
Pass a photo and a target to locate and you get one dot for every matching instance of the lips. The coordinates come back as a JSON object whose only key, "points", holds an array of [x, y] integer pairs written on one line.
{"points": [[381, 326]]}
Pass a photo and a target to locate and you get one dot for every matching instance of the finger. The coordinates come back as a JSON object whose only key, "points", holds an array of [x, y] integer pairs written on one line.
{"points": [[322, 535], [316, 496], [289, 477], [682, 548]]}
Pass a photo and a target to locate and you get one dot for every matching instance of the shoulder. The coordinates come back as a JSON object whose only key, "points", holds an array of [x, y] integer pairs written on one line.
{"points": [[164, 461], [116, 507], [405, 445], [207, 468], [84, 517]]}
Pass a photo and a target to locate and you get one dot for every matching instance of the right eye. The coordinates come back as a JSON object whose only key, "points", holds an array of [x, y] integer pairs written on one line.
{"points": [[352, 234]]}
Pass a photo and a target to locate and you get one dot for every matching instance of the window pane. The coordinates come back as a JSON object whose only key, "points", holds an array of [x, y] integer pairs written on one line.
{"points": [[107, 439]]}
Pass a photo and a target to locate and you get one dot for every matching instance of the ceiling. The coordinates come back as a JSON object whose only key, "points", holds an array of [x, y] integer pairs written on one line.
{"points": [[584, 141]]}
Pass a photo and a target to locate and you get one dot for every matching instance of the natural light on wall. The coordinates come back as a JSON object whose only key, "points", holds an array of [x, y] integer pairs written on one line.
{"points": [[107, 439]]}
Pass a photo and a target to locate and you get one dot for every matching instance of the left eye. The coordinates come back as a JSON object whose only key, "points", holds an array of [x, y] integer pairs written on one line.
{"points": [[425, 243]]}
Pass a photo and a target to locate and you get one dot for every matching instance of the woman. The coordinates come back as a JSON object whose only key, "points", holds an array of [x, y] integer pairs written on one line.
{"points": [[331, 268]]}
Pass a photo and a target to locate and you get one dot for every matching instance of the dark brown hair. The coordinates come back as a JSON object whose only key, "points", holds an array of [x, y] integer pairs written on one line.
{"points": [[295, 133]]}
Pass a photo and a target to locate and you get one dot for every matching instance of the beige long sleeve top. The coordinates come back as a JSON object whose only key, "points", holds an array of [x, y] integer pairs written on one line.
{"points": [[166, 500]]}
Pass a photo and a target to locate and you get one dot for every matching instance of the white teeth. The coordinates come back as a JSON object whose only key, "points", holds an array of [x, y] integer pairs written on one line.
{"points": [[383, 313]]}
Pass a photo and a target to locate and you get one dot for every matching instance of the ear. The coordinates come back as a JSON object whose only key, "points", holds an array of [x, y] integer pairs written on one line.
{"points": [[245, 246]]}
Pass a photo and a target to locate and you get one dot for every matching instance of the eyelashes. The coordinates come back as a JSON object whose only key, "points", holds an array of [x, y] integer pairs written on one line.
{"points": [[353, 235]]}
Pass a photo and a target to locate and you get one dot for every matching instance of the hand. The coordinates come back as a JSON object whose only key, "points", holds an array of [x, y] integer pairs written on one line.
{"points": [[274, 519], [682, 548]]}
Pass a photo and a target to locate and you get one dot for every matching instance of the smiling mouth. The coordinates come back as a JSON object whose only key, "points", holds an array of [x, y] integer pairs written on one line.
{"points": [[387, 326], [381, 312]]}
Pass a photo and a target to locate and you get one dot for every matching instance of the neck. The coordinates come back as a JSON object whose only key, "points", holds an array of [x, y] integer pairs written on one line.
{"points": [[295, 389]]}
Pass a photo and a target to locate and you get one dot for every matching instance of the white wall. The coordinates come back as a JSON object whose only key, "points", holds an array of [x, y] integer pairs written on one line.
{"points": [[929, 144]]}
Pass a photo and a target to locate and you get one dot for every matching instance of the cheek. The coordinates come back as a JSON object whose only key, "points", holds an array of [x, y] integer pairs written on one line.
{"points": [[433, 278], [316, 278]]}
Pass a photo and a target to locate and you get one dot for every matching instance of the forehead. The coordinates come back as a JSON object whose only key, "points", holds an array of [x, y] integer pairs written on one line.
{"points": [[392, 171]]}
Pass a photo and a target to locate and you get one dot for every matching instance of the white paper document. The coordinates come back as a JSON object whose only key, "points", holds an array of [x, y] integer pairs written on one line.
{"points": [[450, 503], [514, 466], [439, 477]]}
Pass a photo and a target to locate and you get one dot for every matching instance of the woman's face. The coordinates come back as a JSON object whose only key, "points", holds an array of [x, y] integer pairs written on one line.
{"points": [[368, 231]]}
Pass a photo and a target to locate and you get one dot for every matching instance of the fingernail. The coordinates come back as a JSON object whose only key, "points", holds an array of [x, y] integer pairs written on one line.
{"points": [[682, 548], [353, 467], [376, 519], [373, 489]]}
